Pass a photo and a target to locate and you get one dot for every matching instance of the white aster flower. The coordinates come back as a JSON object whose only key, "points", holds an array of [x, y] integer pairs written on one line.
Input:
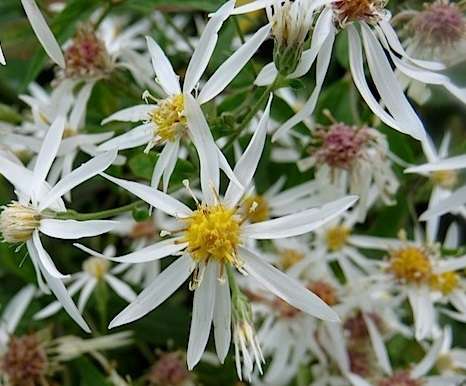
{"points": [[95, 270], [165, 121], [444, 174], [417, 375], [213, 239], [12, 314], [355, 160], [43, 33], [36, 208]]}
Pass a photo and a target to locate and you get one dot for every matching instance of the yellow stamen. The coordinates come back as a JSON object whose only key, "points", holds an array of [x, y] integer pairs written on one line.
{"points": [[213, 232], [336, 237], [96, 266], [18, 222], [411, 264], [289, 257], [168, 118], [446, 179], [445, 282], [256, 208]]}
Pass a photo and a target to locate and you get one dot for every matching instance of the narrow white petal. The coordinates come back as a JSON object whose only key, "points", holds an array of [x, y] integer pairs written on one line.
{"points": [[286, 287], [86, 293], [423, 311], [225, 166], [156, 251], [378, 345], [43, 33], [299, 223], [156, 292], [58, 288], [48, 151], [452, 238], [373, 242], [232, 66], [171, 165], [78, 113], [452, 264], [15, 309], [356, 380], [78, 176], [121, 288], [388, 86], [2, 57], [44, 258], [18, 175], [453, 163], [203, 313], [154, 197], [163, 69], [131, 114], [267, 75], [138, 136], [454, 202], [205, 47], [247, 164], [429, 360], [162, 163], [206, 148], [72, 229], [222, 319]]}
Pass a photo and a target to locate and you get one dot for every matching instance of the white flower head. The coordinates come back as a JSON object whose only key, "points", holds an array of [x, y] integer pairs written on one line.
{"points": [[213, 239], [35, 211]]}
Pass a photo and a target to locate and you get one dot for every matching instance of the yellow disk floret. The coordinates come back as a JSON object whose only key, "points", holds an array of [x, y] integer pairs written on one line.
{"points": [[446, 179], [213, 232], [445, 282], [411, 264], [336, 237], [96, 266], [168, 118], [256, 208], [289, 257]]}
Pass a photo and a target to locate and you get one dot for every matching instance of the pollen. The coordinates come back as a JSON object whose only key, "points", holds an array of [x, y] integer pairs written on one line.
{"points": [[18, 222], [213, 232], [96, 267], [445, 282], [446, 179], [411, 265], [348, 11], [289, 257], [168, 118], [256, 208], [337, 237]]}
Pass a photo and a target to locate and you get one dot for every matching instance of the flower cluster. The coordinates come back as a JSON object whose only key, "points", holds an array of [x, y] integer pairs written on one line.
{"points": [[159, 182]]}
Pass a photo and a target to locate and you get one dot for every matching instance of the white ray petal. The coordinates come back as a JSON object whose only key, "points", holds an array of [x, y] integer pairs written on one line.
{"points": [[48, 151], [44, 258], [138, 136], [78, 113], [222, 319], [131, 114], [121, 288], [43, 32], [203, 313], [58, 288], [452, 203], [299, 223], [2, 57], [286, 287], [72, 229], [378, 345], [166, 76], [86, 293], [15, 309], [232, 66], [252, 6], [154, 197], [78, 176], [18, 175], [156, 293], [429, 360], [247, 164], [423, 311], [206, 148], [156, 251], [205, 46], [453, 163]]}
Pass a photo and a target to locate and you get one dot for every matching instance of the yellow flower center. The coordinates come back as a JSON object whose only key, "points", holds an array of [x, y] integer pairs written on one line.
{"points": [[446, 179], [411, 264], [445, 363], [256, 208], [213, 232], [289, 257], [168, 118], [445, 282], [96, 266], [68, 132], [336, 237], [18, 222]]}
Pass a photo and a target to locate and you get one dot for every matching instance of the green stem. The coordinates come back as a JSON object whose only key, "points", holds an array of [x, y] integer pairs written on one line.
{"points": [[235, 291], [73, 215]]}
